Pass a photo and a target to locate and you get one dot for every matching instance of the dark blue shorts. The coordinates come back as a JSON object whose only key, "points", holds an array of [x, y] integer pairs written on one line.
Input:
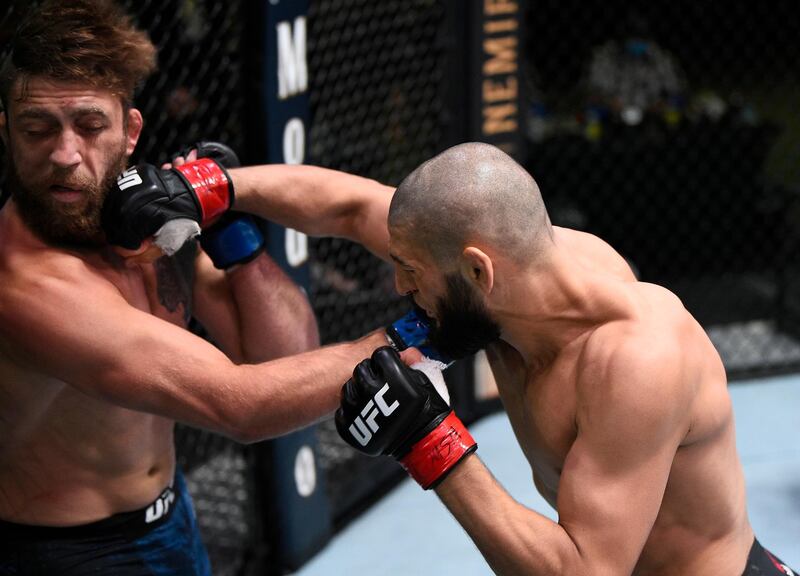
{"points": [[160, 539], [761, 562]]}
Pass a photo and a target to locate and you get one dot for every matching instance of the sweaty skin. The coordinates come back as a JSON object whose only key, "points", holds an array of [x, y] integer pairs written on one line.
{"points": [[619, 402], [96, 365], [615, 393]]}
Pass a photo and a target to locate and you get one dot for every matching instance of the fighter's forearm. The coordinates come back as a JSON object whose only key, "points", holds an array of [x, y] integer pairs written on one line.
{"points": [[515, 540], [316, 201], [299, 390]]}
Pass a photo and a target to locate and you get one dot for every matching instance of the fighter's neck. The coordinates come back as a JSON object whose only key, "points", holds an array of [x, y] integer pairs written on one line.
{"points": [[14, 231], [551, 308], [16, 235]]}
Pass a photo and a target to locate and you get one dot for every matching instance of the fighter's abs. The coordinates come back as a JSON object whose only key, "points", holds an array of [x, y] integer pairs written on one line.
{"points": [[73, 465]]}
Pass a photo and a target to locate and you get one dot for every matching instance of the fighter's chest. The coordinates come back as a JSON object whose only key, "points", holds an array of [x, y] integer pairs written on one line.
{"points": [[162, 288], [542, 415]]}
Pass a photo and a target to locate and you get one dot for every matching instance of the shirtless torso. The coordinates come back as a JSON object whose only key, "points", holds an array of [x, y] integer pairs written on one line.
{"points": [[67, 457], [96, 363], [701, 526]]}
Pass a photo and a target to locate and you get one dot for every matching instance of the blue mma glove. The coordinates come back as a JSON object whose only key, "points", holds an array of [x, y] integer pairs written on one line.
{"points": [[234, 239], [412, 330]]}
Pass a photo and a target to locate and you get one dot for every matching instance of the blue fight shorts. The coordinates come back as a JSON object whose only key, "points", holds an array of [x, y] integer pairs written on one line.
{"points": [[159, 539]]}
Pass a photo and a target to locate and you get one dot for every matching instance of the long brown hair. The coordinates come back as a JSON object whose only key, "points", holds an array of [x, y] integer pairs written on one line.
{"points": [[91, 41]]}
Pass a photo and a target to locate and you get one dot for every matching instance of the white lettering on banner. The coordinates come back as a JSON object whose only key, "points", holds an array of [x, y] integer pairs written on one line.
{"points": [[305, 472], [128, 178], [294, 152], [294, 141], [363, 432], [292, 66], [296, 247], [293, 80]]}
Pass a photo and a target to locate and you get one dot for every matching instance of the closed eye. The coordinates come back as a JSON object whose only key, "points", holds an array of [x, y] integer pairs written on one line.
{"points": [[39, 130]]}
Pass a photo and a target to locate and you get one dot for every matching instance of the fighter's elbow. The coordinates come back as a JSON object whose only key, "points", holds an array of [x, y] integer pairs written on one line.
{"points": [[248, 424], [246, 436], [244, 430]]}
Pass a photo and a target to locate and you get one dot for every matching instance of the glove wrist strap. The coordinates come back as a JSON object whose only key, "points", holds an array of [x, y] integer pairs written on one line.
{"points": [[437, 453], [212, 187]]}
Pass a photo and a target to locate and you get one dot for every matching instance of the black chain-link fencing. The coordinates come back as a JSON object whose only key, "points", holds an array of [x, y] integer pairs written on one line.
{"points": [[196, 94], [378, 110], [672, 130]]}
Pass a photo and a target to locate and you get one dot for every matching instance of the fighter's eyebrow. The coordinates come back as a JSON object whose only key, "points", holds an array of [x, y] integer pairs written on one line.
{"points": [[41, 114], [88, 111], [35, 114], [399, 260]]}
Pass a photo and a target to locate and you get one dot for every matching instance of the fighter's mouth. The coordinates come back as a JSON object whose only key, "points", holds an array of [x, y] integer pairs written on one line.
{"points": [[66, 193]]}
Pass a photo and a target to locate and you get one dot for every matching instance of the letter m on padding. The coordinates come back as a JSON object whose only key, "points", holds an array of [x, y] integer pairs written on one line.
{"points": [[292, 67]]}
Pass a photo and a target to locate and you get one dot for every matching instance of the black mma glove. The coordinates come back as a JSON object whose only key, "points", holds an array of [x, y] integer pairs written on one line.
{"points": [[145, 197], [388, 408], [217, 151]]}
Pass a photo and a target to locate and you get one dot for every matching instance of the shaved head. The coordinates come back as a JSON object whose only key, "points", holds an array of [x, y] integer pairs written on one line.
{"points": [[472, 193]]}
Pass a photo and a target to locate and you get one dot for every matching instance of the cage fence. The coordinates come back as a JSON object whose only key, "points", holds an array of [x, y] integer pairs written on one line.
{"points": [[378, 110], [195, 95], [669, 129]]}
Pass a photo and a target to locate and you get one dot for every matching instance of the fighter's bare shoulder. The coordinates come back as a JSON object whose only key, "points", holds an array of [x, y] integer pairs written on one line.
{"points": [[38, 294], [636, 365]]}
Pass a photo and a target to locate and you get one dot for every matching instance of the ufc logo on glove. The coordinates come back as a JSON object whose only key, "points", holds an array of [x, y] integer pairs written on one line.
{"points": [[129, 178], [423, 434], [364, 426]]}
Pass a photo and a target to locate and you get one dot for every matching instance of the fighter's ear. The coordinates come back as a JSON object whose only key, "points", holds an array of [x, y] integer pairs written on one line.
{"points": [[478, 267], [3, 127], [135, 123]]}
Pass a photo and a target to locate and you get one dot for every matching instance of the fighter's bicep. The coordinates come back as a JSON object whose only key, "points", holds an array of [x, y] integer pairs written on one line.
{"points": [[88, 336], [630, 423], [608, 504]]}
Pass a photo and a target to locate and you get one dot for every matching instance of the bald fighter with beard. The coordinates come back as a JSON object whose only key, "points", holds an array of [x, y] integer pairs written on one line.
{"points": [[616, 395], [96, 363]]}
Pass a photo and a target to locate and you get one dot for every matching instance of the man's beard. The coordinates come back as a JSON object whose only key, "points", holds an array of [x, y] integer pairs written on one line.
{"points": [[61, 223], [464, 325]]}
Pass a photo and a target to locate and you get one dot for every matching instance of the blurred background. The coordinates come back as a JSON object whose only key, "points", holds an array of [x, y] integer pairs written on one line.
{"points": [[670, 129]]}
